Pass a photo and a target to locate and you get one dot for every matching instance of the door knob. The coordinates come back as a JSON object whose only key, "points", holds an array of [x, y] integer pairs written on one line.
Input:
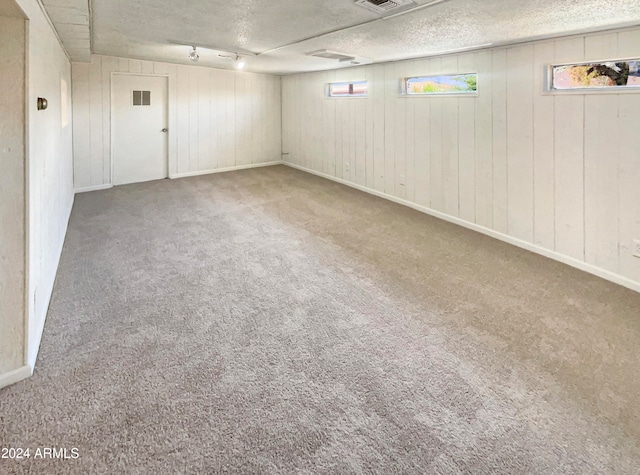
{"points": [[164, 130]]}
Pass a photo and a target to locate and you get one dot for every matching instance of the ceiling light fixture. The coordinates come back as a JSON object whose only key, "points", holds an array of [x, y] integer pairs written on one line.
{"points": [[238, 61], [194, 55]]}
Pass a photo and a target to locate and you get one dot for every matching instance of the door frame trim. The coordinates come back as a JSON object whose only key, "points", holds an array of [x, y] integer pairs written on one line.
{"points": [[111, 115]]}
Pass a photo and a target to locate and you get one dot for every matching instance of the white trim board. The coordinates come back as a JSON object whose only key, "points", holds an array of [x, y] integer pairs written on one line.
{"points": [[14, 376], [227, 169], [583, 266]]}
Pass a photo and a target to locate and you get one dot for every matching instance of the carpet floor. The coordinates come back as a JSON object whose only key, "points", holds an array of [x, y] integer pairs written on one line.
{"points": [[270, 321]]}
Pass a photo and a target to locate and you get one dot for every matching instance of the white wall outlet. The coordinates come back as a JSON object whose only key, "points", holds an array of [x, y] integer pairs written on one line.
{"points": [[636, 248], [346, 167], [402, 180]]}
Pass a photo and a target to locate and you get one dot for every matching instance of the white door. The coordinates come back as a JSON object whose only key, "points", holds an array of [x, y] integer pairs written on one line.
{"points": [[139, 128]]}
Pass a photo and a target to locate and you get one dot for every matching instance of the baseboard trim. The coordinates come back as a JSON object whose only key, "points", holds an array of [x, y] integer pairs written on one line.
{"points": [[14, 376], [93, 188], [227, 169], [583, 266]]}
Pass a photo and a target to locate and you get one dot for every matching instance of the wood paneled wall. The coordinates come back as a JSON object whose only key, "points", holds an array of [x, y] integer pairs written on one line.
{"points": [[555, 173], [218, 119], [12, 195]]}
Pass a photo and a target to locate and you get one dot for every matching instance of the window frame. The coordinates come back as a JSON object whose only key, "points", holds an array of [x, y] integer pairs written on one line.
{"points": [[404, 90], [328, 94], [550, 90]]}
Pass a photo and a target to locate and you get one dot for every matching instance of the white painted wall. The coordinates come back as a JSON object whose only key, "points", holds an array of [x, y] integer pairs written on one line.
{"points": [[12, 194], [50, 168], [557, 174], [218, 119]]}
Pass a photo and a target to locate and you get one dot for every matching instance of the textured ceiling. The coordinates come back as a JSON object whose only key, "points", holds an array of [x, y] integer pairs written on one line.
{"points": [[71, 20], [148, 29]]}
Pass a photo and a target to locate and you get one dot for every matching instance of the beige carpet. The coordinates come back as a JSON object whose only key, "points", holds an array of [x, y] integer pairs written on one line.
{"points": [[269, 321]]}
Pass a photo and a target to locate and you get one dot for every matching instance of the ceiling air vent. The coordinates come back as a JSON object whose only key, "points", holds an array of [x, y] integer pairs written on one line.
{"points": [[325, 53], [384, 7]]}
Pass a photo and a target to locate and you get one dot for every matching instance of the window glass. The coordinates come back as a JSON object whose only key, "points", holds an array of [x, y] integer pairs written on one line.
{"points": [[349, 89], [445, 84], [616, 74]]}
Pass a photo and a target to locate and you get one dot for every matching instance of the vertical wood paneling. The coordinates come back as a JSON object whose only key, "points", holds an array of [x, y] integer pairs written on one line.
{"points": [[253, 135], [601, 129], [340, 132], [350, 123], [201, 137], [297, 123], [273, 133], [308, 136], [520, 142], [96, 121], [229, 126], [422, 152], [569, 163], [360, 134], [379, 127], [287, 116], [629, 165], [146, 67], [390, 98], [398, 141], [557, 170], [483, 129], [123, 65], [410, 69], [543, 149], [135, 66], [194, 149], [317, 96], [628, 189], [242, 126], [215, 124], [435, 124], [81, 125], [600, 180], [184, 141], [410, 149], [370, 130], [422, 139], [108, 65], [499, 130], [328, 130], [467, 146], [205, 157], [450, 145], [259, 117]]}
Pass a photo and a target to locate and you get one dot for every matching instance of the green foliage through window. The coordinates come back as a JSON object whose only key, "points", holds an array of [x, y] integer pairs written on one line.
{"points": [[615, 74], [445, 84]]}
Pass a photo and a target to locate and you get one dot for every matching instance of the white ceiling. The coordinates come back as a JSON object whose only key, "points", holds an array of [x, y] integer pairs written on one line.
{"points": [[149, 29], [71, 20]]}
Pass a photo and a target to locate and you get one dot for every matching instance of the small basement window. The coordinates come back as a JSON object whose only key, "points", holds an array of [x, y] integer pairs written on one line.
{"points": [[602, 75], [349, 89], [444, 84]]}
